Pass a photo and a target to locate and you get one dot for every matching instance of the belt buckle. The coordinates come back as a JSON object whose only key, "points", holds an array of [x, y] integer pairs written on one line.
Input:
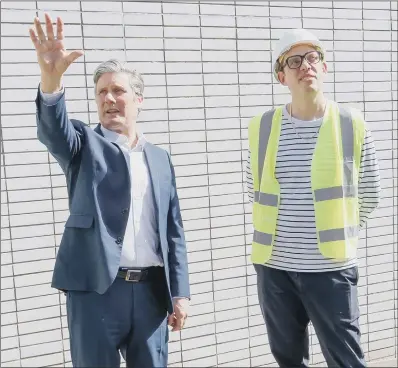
{"points": [[132, 272]]}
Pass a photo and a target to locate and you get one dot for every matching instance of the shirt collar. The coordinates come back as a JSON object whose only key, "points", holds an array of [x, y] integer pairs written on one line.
{"points": [[122, 140]]}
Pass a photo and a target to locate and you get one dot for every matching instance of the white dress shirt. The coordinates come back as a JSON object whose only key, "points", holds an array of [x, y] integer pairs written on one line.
{"points": [[141, 240]]}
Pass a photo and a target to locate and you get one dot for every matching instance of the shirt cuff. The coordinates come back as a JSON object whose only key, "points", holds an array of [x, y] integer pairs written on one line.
{"points": [[51, 98]]}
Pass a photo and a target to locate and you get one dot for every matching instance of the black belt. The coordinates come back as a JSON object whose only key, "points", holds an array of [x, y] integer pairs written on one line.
{"points": [[138, 275]]}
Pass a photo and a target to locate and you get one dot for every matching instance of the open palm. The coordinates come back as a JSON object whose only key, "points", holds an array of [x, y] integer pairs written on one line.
{"points": [[52, 56]]}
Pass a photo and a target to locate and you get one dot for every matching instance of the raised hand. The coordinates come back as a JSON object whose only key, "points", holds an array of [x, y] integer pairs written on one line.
{"points": [[52, 56]]}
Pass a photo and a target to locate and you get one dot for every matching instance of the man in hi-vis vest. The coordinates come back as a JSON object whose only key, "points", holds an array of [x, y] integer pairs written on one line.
{"points": [[313, 178]]}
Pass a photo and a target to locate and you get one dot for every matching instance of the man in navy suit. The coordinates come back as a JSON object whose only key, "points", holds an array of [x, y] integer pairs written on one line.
{"points": [[122, 262]]}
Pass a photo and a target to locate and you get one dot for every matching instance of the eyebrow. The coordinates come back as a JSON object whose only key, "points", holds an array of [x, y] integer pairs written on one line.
{"points": [[113, 86]]}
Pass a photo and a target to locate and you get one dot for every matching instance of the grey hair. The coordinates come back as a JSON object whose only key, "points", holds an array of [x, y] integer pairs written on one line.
{"points": [[116, 66]]}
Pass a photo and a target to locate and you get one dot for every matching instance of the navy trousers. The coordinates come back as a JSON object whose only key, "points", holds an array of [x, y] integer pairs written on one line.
{"points": [[129, 319], [289, 300]]}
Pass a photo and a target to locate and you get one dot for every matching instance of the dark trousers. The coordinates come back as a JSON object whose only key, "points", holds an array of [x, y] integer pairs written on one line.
{"points": [[130, 317], [289, 300]]}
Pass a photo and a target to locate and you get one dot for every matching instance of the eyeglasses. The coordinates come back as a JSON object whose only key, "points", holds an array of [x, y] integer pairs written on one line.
{"points": [[295, 61]]}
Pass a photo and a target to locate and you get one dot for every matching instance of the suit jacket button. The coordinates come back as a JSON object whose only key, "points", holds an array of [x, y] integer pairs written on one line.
{"points": [[124, 211], [119, 240]]}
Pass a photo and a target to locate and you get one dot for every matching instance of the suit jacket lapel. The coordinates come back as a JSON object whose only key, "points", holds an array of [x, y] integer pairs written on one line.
{"points": [[98, 130]]}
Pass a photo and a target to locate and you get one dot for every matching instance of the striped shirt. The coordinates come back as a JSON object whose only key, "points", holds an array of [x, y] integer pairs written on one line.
{"points": [[295, 245]]}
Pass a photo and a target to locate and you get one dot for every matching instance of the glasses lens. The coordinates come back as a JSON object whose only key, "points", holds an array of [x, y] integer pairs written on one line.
{"points": [[294, 62], [312, 57]]}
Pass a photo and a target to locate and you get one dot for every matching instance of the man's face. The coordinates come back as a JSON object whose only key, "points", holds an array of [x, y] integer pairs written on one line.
{"points": [[116, 102], [307, 77]]}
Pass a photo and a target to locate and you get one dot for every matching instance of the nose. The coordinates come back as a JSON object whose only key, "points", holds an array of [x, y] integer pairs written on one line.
{"points": [[305, 65], [109, 98]]}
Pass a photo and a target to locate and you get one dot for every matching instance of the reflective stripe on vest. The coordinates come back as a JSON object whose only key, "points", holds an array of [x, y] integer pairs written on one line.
{"points": [[262, 238], [347, 136], [264, 198], [338, 234], [326, 194], [348, 190], [265, 132]]}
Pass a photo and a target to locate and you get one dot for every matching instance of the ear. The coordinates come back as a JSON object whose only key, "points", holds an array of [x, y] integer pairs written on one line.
{"points": [[281, 77], [325, 67], [140, 100]]}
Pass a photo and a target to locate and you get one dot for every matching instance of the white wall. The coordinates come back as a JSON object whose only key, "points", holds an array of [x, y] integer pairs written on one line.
{"points": [[207, 70]]}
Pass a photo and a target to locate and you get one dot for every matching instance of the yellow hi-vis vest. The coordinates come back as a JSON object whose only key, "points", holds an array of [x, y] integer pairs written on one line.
{"points": [[334, 180]]}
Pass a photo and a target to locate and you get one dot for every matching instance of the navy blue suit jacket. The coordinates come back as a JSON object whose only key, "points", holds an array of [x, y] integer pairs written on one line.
{"points": [[98, 183]]}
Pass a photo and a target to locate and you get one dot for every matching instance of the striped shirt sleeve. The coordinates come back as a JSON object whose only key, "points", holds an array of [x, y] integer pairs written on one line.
{"points": [[249, 178], [369, 180]]}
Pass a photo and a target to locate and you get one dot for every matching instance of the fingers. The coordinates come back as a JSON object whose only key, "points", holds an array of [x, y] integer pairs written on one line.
{"points": [[60, 29], [180, 313], [170, 320], [39, 30], [49, 27], [179, 322], [41, 37], [34, 39], [178, 325]]}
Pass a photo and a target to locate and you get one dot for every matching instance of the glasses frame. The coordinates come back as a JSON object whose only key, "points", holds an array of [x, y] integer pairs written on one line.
{"points": [[286, 63]]}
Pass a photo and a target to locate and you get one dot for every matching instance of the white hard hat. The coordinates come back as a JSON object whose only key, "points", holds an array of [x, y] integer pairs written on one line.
{"points": [[291, 38]]}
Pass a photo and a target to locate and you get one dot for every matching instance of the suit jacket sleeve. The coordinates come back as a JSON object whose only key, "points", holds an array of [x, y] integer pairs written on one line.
{"points": [[62, 138], [178, 262]]}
